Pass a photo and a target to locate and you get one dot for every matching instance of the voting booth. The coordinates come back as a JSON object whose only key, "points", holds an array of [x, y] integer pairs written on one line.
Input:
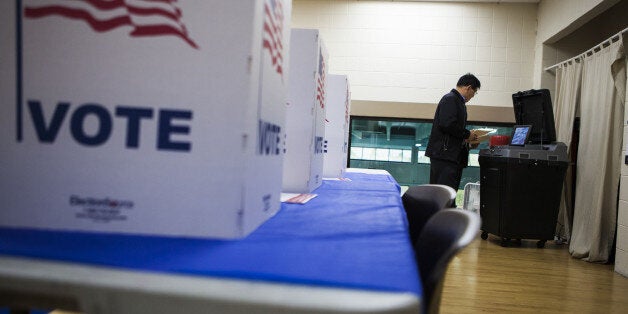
{"points": [[167, 119], [305, 113], [521, 182], [335, 146]]}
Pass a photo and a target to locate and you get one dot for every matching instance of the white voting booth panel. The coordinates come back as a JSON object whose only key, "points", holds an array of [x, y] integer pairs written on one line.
{"points": [[164, 119], [305, 114], [336, 126]]}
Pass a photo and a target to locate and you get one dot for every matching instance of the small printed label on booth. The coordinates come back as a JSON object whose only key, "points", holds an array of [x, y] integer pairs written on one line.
{"points": [[101, 210]]}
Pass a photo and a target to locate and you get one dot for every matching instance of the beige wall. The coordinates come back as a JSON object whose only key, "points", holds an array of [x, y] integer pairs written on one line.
{"points": [[414, 52], [557, 19], [404, 53], [407, 110]]}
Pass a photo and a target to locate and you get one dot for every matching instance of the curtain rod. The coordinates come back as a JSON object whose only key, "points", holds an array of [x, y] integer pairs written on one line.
{"points": [[608, 41]]}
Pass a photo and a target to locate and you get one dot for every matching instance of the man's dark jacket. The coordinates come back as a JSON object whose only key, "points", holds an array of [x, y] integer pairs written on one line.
{"points": [[449, 130]]}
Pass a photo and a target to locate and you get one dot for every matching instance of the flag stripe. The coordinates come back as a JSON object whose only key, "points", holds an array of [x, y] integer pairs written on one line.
{"points": [[79, 14], [106, 5], [157, 30], [155, 11], [162, 1]]}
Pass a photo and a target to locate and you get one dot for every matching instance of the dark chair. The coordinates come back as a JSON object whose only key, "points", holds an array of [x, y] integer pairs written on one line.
{"points": [[443, 236], [423, 201]]}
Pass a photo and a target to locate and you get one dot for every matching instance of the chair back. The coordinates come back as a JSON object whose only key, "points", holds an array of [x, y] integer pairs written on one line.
{"points": [[444, 235], [422, 201]]}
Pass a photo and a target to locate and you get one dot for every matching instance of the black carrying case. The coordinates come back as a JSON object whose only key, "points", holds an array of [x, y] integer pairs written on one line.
{"points": [[534, 107]]}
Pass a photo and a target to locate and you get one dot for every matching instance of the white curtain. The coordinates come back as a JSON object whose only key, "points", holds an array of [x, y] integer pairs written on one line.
{"points": [[599, 153], [568, 80]]}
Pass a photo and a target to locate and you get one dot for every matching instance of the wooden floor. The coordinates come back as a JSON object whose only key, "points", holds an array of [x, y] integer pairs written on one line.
{"points": [[488, 278]]}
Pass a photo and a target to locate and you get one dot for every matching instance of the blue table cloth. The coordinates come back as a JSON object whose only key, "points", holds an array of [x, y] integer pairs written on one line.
{"points": [[353, 235]]}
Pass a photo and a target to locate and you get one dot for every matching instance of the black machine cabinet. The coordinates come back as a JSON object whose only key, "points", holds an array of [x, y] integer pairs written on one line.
{"points": [[520, 186], [520, 191]]}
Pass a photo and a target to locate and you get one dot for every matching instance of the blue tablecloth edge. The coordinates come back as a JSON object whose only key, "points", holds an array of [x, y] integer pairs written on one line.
{"points": [[268, 278]]}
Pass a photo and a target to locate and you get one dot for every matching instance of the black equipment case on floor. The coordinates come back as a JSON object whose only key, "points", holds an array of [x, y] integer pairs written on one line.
{"points": [[520, 186]]}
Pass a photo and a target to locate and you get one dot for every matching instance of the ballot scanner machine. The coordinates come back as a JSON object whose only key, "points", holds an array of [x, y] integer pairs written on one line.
{"points": [[521, 183]]}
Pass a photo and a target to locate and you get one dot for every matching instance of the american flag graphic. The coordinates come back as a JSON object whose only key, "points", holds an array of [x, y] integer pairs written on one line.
{"points": [[347, 105], [144, 17], [320, 80], [273, 33]]}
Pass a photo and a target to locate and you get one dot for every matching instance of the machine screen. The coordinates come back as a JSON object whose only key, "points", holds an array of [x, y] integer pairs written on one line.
{"points": [[520, 135]]}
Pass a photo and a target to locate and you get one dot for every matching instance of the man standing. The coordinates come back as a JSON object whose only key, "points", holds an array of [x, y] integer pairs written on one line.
{"points": [[448, 147]]}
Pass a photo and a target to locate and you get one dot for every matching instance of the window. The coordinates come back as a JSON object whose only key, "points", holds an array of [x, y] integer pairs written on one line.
{"points": [[355, 152], [380, 154], [368, 153], [421, 158], [398, 146], [395, 155]]}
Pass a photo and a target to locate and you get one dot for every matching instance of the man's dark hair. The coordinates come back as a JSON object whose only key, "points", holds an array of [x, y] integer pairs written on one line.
{"points": [[469, 79]]}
